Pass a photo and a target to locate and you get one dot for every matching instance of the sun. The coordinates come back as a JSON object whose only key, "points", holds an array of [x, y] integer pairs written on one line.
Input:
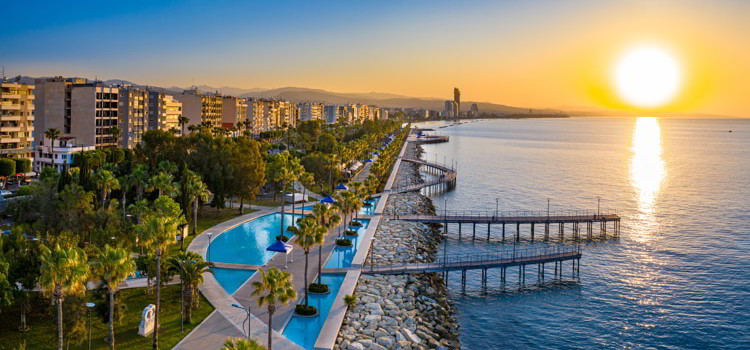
{"points": [[647, 76]]}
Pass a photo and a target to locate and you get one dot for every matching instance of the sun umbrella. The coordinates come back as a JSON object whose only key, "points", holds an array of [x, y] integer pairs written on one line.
{"points": [[328, 200], [341, 187], [368, 160], [279, 247]]}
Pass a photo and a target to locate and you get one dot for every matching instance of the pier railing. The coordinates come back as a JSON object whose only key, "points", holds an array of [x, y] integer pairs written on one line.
{"points": [[499, 215], [479, 260]]}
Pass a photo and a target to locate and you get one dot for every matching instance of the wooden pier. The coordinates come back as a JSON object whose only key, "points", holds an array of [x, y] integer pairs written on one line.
{"points": [[484, 261], [425, 139], [575, 219]]}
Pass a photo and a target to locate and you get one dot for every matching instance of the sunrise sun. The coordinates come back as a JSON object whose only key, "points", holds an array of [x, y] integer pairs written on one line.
{"points": [[647, 76]]}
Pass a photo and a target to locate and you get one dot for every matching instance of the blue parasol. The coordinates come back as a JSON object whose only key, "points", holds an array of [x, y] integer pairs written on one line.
{"points": [[328, 199], [341, 187]]}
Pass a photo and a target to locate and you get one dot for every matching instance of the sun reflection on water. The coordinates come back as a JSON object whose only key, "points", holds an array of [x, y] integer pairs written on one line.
{"points": [[647, 169]]}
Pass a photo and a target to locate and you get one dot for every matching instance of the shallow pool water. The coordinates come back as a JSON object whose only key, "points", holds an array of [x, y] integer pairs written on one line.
{"points": [[247, 243], [343, 256], [304, 330], [367, 209], [231, 279]]}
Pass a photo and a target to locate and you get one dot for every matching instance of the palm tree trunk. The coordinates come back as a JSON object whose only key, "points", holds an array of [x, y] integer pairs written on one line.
{"points": [[59, 300], [283, 201], [111, 319], [188, 304], [307, 252], [242, 205], [155, 344], [123, 204], [320, 261], [195, 217], [270, 329]]}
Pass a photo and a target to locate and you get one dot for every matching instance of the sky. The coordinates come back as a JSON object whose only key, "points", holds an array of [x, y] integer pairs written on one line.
{"points": [[536, 54]]}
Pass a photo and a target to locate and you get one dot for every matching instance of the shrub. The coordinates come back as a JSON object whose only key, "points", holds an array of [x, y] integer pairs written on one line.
{"points": [[350, 300], [350, 233], [23, 165], [343, 242], [355, 223], [7, 167], [319, 288], [282, 238], [303, 310]]}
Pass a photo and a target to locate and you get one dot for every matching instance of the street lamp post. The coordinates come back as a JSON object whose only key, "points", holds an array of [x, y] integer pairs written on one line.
{"points": [[209, 245], [247, 318], [598, 203], [548, 208], [497, 206], [90, 306]]}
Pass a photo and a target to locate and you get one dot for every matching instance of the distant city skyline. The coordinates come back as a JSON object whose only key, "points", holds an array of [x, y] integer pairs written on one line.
{"points": [[541, 54]]}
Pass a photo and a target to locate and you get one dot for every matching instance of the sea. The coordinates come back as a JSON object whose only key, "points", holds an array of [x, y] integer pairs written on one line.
{"points": [[678, 275]]}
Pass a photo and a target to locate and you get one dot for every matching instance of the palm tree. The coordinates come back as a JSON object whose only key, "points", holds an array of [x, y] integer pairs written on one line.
{"points": [[105, 181], [328, 219], [164, 183], [241, 344], [139, 176], [126, 183], [63, 271], [52, 134], [190, 266], [278, 288], [346, 204], [360, 193], [309, 233], [196, 191], [284, 169], [158, 231], [114, 266], [183, 121]]}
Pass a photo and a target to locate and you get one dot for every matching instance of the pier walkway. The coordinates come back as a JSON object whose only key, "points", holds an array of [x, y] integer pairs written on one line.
{"points": [[532, 218], [445, 176], [484, 261]]}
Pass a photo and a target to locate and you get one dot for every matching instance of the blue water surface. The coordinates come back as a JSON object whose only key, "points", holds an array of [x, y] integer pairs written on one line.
{"points": [[231, 279], [247, 243], [304, 330], [343, 256]]}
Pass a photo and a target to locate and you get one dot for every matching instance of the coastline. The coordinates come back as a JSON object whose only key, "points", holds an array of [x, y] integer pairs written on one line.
{"points": [[406, 311]]}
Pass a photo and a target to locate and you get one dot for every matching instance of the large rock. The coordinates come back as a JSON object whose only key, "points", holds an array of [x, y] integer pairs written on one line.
{"points": [[410, 336], [355, 346], [385, 341]]}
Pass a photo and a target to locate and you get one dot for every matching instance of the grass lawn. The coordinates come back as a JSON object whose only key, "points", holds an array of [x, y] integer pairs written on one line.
{"points": [[267, 202], [43, 333]]}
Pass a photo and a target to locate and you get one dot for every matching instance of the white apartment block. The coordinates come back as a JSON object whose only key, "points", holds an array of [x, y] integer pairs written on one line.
{"points": [[60, 155]]}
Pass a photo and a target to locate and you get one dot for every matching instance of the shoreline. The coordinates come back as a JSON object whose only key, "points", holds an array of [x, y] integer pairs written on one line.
{"points": [[403, 311]]}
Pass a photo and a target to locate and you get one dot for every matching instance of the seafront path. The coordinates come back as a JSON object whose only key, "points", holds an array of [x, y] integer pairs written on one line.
{"points": [[227, 321]]}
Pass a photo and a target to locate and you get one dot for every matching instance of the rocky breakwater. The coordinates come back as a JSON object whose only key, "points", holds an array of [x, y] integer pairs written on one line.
{"points": [[403, 311]]}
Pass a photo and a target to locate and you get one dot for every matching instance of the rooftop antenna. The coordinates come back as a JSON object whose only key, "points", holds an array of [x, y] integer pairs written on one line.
{"points": [[2, 75]]}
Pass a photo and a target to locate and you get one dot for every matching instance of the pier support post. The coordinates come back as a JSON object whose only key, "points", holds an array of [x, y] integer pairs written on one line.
{"points": [[459, 230], [532, 231], [463, 281], [518, 232], [488, 232], [546, 231], [474, 232], [503, 232], [561, 226], [555, 269]]}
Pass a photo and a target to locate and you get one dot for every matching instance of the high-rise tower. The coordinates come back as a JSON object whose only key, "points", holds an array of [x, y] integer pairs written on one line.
{"points": [[457, 100]]}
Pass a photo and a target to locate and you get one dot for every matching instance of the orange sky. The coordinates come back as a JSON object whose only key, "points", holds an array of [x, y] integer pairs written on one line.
{"points": [[537, 54]]}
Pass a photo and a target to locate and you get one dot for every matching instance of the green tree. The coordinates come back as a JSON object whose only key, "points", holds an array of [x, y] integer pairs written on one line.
{"points": [[183, 121], [113, 267], [278, 288], [105, 182], [139, 177], [52, 134], [190, 267], [164, 184], [23, 165], [6, 292], [63, 271], [158, 230], [284, 168], [327, 218], [309, 233], [7, 167], [241, 344], [196, 191], [249, 170]]}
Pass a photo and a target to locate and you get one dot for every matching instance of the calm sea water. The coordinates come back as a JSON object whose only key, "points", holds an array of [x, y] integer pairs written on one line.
{"points": [[678, 276]]}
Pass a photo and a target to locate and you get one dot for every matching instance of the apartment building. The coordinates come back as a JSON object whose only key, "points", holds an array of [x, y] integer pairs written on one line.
{"points": [[52, 105], [16, 120], [234, 111], [164, 112], [201, 107], [310, 111], [289, 114], [133, 113], [95, 114], [59, 155]]}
